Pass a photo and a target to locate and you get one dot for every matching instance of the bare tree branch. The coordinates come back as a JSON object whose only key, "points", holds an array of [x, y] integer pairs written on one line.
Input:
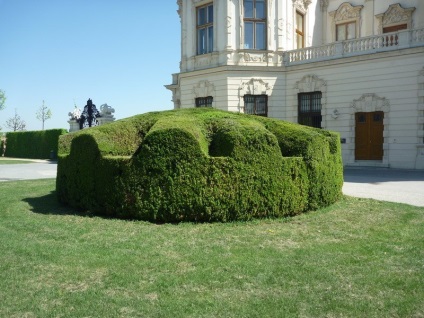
{"points": [[15, 123], [43, 114]]}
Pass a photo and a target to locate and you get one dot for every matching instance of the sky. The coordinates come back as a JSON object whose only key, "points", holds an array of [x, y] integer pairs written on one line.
{"points": [[119, 52]]}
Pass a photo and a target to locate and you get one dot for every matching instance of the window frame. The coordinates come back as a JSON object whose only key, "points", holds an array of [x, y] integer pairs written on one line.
{"points": [[312, 116], [255, 22], [300, 33], [346, 24], [256, 101], [209, 24], [206, 101], [395, 28]]}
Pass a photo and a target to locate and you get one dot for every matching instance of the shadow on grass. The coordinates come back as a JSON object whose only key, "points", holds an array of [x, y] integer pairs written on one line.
{"points": [[49, 205]]}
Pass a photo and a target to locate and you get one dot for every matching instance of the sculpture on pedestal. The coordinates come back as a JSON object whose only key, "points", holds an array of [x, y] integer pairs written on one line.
{"points": [[90, 116]]}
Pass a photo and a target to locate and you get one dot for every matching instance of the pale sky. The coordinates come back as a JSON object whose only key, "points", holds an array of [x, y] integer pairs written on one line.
{"points": [[119, 52]]}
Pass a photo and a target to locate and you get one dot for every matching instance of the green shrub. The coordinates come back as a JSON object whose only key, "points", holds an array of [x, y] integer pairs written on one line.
{"points": [[33, 144], [199, 165]]}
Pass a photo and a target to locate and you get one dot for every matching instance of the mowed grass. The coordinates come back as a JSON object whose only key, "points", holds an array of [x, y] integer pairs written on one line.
{"points": [[357, 258], [5, 161]]}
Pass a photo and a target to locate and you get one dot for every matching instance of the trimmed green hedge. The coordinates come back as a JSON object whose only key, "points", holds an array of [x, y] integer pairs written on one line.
{"points": [[33, 144], [199, 165]]}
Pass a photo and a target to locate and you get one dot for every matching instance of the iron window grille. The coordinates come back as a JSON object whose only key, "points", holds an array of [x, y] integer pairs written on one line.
{"points": [[204, 101], [256, 105], [309, 112]]}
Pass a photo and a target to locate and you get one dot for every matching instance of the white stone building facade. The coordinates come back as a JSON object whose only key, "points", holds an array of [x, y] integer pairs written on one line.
{"points": [[355, 67]]}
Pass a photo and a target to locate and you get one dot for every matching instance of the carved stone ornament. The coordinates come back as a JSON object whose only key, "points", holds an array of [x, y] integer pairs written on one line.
{"points": [[254, 86], [180, 7], [395, 14], [228, 23], [75, 114], [346, 12], [370, 103], [204, 89], [106, 110], [302, 4], [197, 2], [289, 30], [252, 57], [323, 3], [311, 83]]}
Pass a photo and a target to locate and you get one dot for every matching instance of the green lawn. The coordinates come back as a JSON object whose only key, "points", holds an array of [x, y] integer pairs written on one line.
{"points": [[5, 161], [357, 258]]}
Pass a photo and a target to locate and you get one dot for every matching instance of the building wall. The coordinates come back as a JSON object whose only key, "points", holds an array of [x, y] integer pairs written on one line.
{"points": [[387, 80], [390, 83]]}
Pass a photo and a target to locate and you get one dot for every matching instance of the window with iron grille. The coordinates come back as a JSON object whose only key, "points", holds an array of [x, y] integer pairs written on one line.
{"points": [[205, 29], [256, 105], [255, 24], [204, 101], [309, 113]]}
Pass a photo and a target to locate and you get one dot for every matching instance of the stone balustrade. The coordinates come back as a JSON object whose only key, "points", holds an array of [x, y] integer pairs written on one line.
{"points": [[335, 50], [355, 47]]}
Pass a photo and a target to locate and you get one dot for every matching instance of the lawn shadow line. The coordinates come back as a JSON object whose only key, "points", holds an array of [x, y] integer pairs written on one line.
{"points": [[49, 205]]}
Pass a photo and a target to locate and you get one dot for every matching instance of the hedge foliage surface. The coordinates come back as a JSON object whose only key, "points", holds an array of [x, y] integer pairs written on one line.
{"points": [[33, 144], [199, 165]]}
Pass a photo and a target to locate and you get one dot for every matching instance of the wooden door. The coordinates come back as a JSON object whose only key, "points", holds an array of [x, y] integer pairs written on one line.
{"points": [[369, 136]]}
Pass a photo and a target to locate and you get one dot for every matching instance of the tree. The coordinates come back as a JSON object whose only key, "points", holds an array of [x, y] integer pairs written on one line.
{"points": [[2, 99], [15, 123], [43, 114]]}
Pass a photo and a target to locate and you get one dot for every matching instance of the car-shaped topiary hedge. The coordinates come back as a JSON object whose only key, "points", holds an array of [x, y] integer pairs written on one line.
{"points": [[199, 165]]}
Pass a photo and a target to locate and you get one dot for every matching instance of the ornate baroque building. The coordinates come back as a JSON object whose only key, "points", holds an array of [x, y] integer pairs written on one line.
{"points": [[356, 67]]}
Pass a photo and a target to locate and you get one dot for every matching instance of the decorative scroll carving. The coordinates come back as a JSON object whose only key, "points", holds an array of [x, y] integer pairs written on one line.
{"points": [[255, 86], [289, 31], [204, 89], [280, 24], [395, 15], [302, 4], [370, 103], [229, 24], [323, 4], [346, 12], [200, 61], [310, 83], [251, 57]]}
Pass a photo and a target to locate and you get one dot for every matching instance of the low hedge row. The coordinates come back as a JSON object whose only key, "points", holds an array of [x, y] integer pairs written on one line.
{"points": [[199, 165], [33, 144]]}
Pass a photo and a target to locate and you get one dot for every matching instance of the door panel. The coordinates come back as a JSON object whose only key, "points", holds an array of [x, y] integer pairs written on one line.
{"points": [[369, 136]]}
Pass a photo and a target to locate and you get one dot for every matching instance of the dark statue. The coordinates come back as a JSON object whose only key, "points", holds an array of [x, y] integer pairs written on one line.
{"points": [[89, 115]]}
